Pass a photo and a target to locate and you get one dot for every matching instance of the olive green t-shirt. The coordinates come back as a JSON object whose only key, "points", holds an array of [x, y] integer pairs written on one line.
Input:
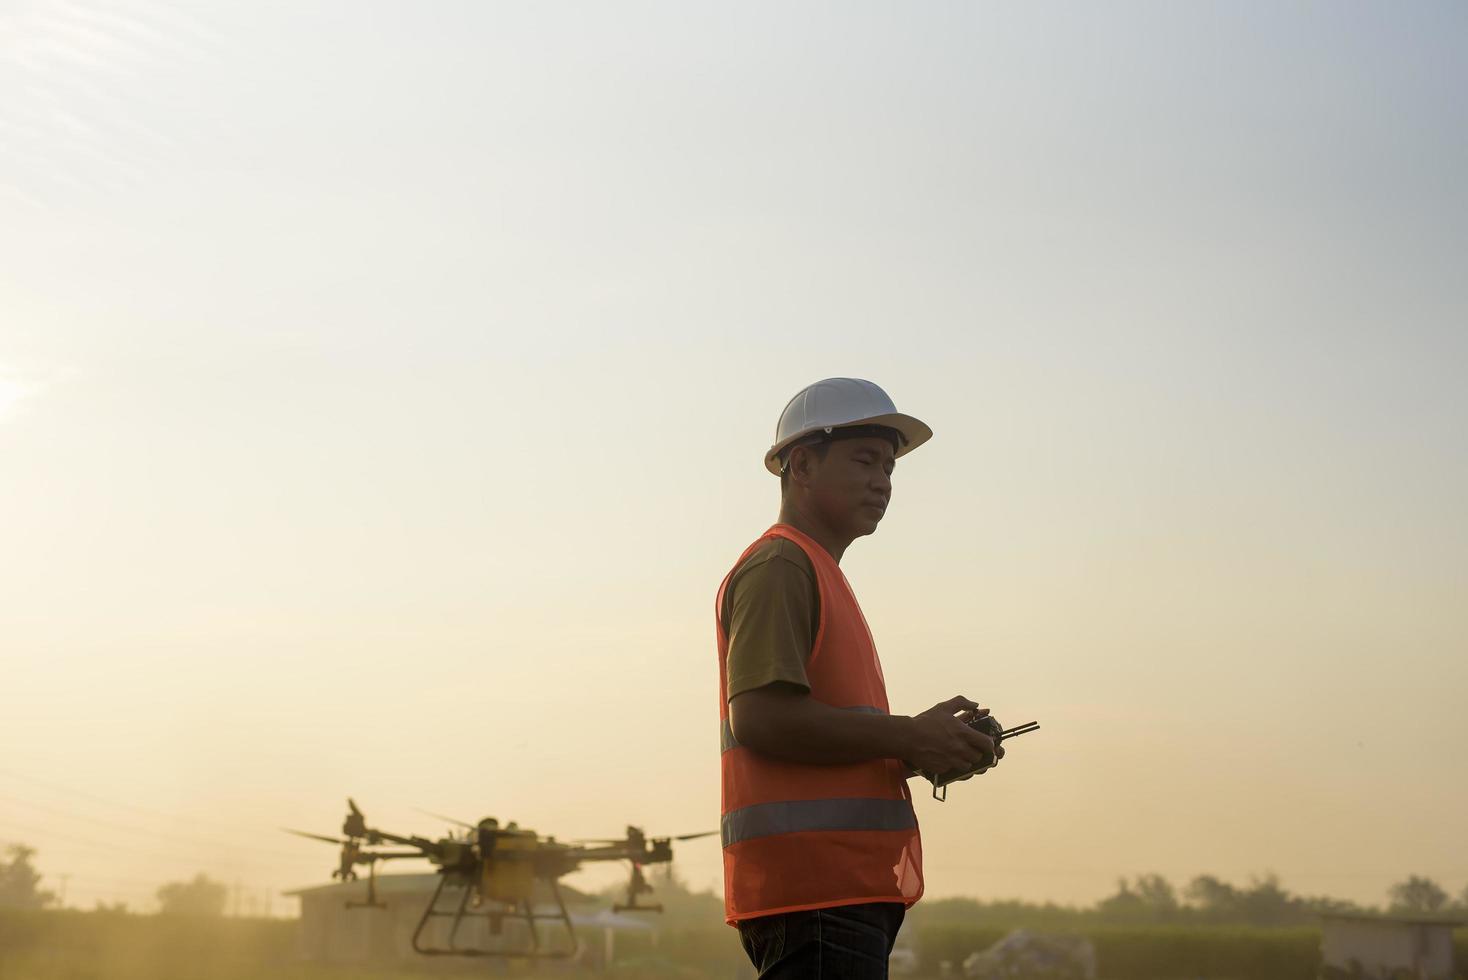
{"points": [[771, 614]]}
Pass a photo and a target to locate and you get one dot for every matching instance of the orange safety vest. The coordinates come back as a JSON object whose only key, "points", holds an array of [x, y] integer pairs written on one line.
{"points": [[812, 836]]}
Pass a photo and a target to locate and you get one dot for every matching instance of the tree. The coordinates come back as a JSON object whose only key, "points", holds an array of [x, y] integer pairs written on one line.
{"points": [[1265, 903], [1151, 898], [1215, 898], [1157, 895], [1417, 895], [202, 896], [1321, 904], [18, 880], [1125, 904]]}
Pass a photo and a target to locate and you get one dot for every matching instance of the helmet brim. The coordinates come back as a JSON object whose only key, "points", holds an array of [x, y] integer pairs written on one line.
{"points": [[914, 433]]}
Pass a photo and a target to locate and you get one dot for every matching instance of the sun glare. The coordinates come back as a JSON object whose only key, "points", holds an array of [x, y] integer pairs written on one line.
{"points": [[11, 392]]}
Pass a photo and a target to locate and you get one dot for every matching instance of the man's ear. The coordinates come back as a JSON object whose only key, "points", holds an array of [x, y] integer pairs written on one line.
{"points": [[801, 462]]}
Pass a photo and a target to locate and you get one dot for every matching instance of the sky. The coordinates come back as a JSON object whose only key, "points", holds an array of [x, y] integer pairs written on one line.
{"points": [[384, 391]]}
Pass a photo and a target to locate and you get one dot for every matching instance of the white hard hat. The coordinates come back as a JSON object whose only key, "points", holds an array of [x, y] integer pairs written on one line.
{"points": [[837, 403]]}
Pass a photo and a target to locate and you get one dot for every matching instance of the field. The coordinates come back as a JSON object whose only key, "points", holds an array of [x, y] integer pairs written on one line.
{"points": [[112, 946], [71, 945]]}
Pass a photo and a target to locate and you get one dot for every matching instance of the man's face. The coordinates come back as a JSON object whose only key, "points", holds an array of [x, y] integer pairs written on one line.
{"points": [[852, 486]]}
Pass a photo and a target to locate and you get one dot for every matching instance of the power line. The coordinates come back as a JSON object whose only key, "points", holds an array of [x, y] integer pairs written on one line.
{"points": [[117, 804], [164, 835], [44, 834]]}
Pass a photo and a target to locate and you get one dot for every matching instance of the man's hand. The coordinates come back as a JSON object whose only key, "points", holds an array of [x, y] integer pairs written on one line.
{"points": [[942, 745]]}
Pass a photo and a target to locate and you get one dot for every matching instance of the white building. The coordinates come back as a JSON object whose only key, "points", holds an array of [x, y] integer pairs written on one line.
{"points": [[1371, 946]]}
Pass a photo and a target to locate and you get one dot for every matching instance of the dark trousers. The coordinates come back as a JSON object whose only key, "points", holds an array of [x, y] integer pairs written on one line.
{"points": [[851, 942]]}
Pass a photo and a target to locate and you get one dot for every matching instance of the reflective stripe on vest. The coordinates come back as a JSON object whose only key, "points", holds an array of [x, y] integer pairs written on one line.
{"points": [[794, 816], [726, 730]]}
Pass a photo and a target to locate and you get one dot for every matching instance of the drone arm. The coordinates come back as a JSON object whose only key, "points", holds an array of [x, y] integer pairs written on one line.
{"points": [[426, 847]]}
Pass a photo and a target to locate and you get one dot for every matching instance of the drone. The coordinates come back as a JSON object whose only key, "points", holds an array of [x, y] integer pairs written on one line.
{"points": [[494, 870]]}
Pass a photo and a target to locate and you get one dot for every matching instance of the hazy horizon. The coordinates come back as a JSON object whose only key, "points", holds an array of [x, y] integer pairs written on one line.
{"points": [[383, 397]]}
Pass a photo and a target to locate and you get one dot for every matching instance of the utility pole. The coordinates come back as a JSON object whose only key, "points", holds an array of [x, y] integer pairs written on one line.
{"points": [[61, 899]]}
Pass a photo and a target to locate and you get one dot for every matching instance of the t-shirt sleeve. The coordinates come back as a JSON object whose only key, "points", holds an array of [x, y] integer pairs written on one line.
{"points": [[772, 613]]}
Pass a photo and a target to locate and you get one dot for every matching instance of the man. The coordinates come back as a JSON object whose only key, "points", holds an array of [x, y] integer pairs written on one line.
{"points": [[821, 850]]}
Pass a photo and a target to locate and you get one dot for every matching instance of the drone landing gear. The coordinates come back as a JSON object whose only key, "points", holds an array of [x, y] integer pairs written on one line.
{"points": [[637, 886], [372, 902], [494, 921]]}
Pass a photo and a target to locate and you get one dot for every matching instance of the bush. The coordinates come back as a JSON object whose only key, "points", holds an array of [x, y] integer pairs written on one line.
{"points": [[1159, 952]]}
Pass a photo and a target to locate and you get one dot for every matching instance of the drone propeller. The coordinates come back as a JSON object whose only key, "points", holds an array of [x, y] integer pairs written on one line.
{"points": [[302, 833], [623, 840], [440, 816]]}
